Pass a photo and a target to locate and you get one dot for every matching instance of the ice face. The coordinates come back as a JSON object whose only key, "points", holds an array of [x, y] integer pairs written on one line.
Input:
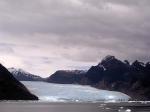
{"points": [[67, 92]]}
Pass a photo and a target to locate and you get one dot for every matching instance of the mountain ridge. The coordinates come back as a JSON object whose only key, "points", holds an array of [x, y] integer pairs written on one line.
{"points": [[116, 75], [66, 76], [22, 75], [110, 74]]}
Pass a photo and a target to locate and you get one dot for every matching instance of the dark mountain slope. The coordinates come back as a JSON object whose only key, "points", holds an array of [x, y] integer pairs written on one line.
{"points": [[121, 76], [11, 89]]}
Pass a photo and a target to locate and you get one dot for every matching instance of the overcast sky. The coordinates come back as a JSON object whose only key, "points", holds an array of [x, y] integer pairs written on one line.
{"points": [[42, 36]]}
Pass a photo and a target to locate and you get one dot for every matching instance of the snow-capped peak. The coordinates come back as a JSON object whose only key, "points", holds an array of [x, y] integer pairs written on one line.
{"points": [[101, 66], [107, 58], [22, 75], [17, 70]]}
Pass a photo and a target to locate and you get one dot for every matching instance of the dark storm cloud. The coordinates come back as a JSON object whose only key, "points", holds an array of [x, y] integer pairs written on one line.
{"points": [[76, 30]]}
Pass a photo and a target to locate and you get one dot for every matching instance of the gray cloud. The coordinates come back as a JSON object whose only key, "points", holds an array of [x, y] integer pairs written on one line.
{"points": [[6, 48], [74, 31]]}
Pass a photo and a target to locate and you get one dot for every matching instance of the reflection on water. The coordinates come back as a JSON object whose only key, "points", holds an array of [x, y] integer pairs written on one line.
{"points": [[74, 107]]}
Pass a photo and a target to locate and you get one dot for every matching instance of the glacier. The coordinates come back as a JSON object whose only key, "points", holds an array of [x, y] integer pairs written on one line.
{"points": [[72, 93]]}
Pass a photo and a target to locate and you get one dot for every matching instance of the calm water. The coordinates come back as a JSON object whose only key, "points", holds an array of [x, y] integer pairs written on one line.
{"points": [[73, 107]]}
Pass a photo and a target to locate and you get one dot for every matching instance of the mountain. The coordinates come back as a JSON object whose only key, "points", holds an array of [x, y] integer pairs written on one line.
{"points": [[116, 75], [109, 69], [67, 76], [22, 75], [12, 89], [121, 76]]}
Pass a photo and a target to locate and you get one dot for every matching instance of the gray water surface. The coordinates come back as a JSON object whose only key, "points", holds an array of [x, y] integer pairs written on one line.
{"points": [[73, 107]]}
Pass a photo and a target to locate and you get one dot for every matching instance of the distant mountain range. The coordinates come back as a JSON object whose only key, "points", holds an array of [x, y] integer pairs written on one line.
{"points": [[111, 74], [67, 76], [22, 75], [12, 89]]}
